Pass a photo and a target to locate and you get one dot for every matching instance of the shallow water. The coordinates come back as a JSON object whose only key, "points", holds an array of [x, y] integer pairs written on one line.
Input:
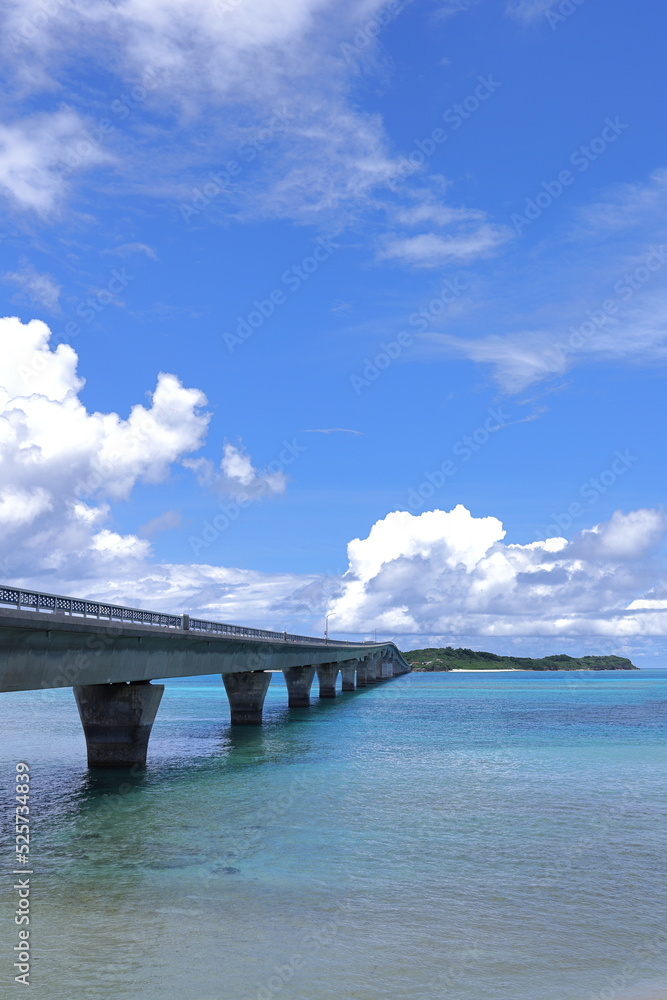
{"points": [[480, 837]]}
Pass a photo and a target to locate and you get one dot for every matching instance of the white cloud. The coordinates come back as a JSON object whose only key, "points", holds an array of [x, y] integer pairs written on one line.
{"points": [[59, 462], [449, 572], [237, 475], [519, 360], [124, 574], [19, 507], [610, 306], [37, 155], [432, 250], [450, 7], [193, 58], [127, 249], [39, 288], [62, 467], [626, 206], [435, 212], [229, 75]]}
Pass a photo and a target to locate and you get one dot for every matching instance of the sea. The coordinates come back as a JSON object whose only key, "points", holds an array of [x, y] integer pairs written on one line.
{"points": [[477, 836]]}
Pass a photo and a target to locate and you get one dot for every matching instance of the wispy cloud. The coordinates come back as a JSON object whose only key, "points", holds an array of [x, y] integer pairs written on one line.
{"points": [[38, 155], [332, 430], [163, 522], [128, 249], [449, 8], [201, 57], [611, 306], [38, 288], [432, 250]]}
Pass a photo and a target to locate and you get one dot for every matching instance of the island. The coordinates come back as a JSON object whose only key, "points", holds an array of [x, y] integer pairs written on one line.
{"points": [[471, 659]]}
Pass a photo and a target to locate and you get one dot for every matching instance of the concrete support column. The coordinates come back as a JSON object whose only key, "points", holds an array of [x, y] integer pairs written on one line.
{"points": [[326, 675], [299, 681], [386, 669], [378, 668], [362, 669], [246, 692], [347, 671], [371, 666], [117, 720]]}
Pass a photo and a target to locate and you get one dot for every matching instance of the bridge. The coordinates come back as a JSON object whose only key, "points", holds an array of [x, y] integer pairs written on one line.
{"points": [[110, 655]]}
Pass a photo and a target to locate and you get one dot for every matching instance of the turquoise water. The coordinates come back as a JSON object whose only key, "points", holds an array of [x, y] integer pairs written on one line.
{"points": [[470, 836]]}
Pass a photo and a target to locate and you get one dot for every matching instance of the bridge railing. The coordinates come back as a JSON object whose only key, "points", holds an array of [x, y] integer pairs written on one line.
{"points": [[32, 600]]}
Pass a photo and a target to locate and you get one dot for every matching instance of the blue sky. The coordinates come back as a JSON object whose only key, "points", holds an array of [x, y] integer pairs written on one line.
{"points": [[408, 258]]}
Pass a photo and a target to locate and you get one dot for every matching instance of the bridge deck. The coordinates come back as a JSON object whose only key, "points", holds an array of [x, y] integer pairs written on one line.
{"points": [[45, 650]]}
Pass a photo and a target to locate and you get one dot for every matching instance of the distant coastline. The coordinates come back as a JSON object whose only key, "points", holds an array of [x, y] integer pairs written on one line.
{"points": [[460, 660]]}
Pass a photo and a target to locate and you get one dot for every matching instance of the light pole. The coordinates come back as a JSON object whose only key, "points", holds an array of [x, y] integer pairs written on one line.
{"points": [[326, 625]]}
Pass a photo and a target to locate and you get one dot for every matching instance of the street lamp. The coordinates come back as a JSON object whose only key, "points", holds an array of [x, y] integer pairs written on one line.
{"points": [[326, 625]]}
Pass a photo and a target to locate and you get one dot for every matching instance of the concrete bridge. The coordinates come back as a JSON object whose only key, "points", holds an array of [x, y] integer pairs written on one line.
{"points": [[109, 655]]}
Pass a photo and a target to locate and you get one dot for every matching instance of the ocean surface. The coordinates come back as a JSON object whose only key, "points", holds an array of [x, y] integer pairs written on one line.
{"points": [[496, 836]]}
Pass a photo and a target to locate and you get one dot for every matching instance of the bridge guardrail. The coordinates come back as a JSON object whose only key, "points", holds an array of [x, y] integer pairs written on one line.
{"points": [[32, 600]]}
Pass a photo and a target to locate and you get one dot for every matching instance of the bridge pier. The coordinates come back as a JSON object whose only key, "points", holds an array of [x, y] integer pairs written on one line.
{"points": [[246, 692], [386, 669], [347, 671], [371, 666], [326, 675], [299, 681], [117, 720]]}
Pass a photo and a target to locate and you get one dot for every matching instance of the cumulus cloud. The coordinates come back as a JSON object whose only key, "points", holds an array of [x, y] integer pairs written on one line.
{"points": [[449, 572], [439, 573], [61, 465], [237, 475], [62, 469]]}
